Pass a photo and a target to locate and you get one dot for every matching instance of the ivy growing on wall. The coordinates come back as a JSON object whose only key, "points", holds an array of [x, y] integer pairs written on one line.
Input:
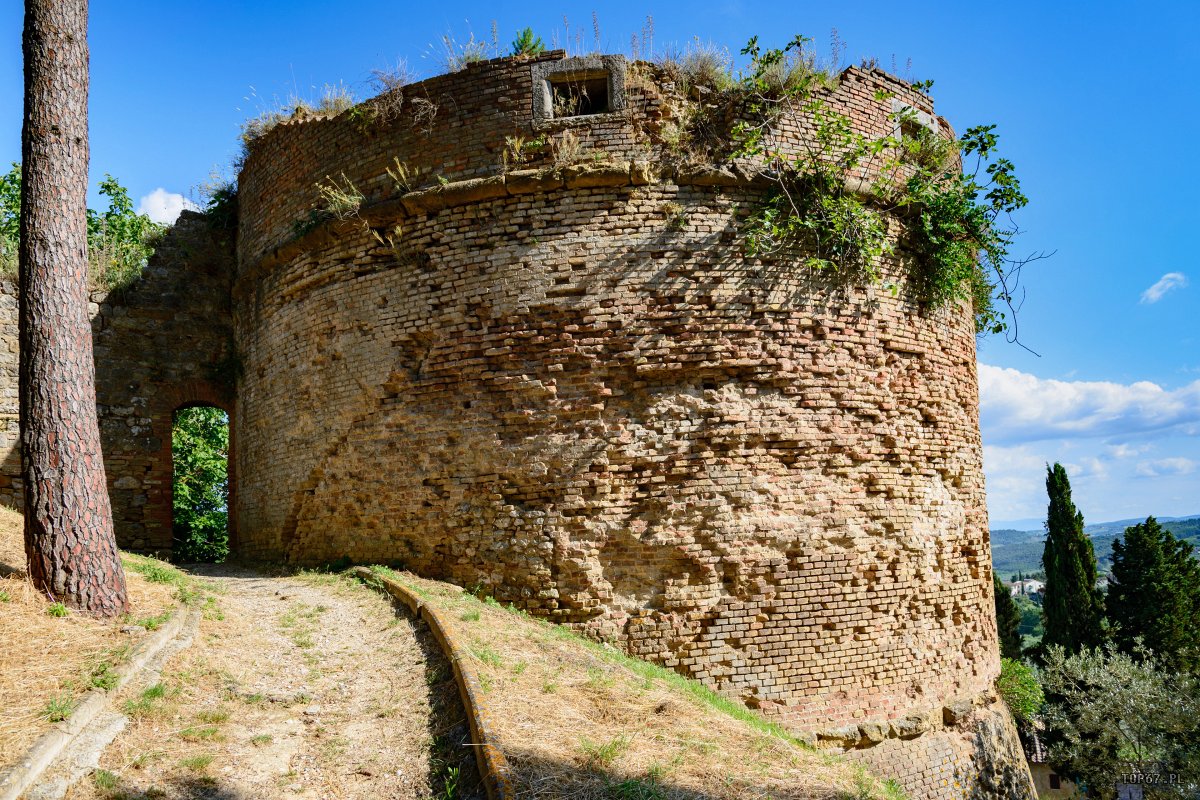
{"points": [[830, 204]]}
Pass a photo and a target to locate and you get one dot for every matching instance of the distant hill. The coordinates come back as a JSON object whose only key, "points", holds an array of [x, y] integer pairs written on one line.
{"points": [[1021, 551]]}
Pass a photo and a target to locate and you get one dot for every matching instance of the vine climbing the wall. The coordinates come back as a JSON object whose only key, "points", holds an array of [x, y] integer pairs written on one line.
{"points": [[829, 205]]}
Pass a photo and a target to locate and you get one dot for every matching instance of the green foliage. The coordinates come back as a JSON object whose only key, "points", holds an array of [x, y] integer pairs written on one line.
{"points": [[155, 622], [103, 676], [1019, 687], [188, 590], [144, 705], [1008, 620], [1072, 608], [698, 70], [959, 240], [58, 708], [526, 44], [811, 212], [197, 763], [1154, 596], [155, 571], [647, 788], [104, 780], [822, 212], [200, 449], [1030, 628], [220, 206], [601, 755], [10, 218], [120, 241], [57, 610], [1106, 709], [450, 782]]}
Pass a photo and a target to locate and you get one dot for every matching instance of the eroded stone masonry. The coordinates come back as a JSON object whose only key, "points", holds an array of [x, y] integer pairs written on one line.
{"points": [[567, 385]]}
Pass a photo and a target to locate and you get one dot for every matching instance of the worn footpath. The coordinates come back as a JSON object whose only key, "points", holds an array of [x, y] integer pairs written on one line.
{"points": [[301, 687]]}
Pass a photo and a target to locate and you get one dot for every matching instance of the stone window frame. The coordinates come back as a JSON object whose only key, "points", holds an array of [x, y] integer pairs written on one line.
{"points": [[922, 118], [543, 95]]}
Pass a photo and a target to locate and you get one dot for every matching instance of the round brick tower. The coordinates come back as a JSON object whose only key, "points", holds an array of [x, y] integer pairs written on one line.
{"points": [[565, 383]]}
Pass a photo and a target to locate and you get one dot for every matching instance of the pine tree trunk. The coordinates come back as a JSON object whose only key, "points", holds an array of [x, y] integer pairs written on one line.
{"points": [[68, 520]]}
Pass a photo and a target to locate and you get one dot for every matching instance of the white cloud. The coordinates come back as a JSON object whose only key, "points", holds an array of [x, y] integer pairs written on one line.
{"points": [[1172, 280], [1016, 479], [1124, 450], [1088, 467], [1130, 449], [1166, 466], [1018, 407], [163, 206]]}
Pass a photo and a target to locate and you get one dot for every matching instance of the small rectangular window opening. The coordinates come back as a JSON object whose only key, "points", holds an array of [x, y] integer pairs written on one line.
{"points": [[1055, 781], [578, 94], [911, 129]]}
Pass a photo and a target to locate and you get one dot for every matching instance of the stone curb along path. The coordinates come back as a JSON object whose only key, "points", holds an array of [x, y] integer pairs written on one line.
{"points": [[493, 766], [43, 753]]}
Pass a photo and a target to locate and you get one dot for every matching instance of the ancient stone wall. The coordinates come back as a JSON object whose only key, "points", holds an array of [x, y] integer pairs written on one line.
{"points": [[163, 343], [571, 388], [11, 487]]}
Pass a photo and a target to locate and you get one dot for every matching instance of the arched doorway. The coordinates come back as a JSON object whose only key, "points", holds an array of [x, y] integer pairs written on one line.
{"points": [[200, 483]]}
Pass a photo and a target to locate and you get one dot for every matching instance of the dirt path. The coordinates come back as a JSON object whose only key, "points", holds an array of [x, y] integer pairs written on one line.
{"points": [[296, 687]]}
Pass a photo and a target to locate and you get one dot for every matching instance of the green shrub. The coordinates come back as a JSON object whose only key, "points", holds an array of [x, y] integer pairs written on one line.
{"points": [[120, 241], [58, 708], [1018, 685]]}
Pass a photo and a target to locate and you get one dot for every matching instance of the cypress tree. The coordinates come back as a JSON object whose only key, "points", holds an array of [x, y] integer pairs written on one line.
{"points": [[1008, 620], [1071, 605], [1154, 593]]}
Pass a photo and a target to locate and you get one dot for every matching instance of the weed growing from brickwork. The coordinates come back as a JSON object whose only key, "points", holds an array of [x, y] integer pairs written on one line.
{"points": [[339, 200], [697, 69], [392, 78], [568, 149], [455, 56], [333, 99]]}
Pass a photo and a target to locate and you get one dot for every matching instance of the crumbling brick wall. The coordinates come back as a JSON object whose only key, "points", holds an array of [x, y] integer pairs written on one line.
{"points": [[572, 389], [162, 343]]}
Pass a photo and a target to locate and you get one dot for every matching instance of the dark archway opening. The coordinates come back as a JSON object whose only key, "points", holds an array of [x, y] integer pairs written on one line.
{"points": [[200, 484]]}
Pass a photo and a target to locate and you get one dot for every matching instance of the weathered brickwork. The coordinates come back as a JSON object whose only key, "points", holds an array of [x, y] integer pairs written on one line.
{"points": [[11, 488], [572, 389], [161, 344]]}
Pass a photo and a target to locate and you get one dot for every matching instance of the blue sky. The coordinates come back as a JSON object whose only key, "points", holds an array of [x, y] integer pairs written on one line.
{"points": [[1094, 102]]}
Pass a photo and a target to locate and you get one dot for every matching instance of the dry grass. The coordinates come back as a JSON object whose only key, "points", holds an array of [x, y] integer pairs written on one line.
{"points": [[579, 719], [306, 686], [47, 663]]}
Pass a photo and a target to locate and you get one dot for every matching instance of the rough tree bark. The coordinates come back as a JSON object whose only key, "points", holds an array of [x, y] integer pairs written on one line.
{"points": [[68, 519]]}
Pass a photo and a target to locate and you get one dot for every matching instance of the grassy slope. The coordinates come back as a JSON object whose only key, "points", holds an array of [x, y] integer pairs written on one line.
{"points": [[580, 719], [47, 663]]}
